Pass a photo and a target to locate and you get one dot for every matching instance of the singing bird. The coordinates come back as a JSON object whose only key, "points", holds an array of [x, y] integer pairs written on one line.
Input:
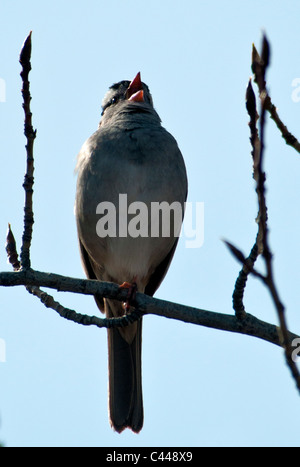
{"points": [[130, 154]]}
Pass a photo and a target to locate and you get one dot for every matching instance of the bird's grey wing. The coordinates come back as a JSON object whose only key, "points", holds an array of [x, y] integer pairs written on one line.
{"points": [[161, 270], [90, 273]]}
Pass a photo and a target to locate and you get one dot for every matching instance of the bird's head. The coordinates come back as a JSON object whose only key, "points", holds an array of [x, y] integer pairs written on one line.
{"points": [[129, 96]]}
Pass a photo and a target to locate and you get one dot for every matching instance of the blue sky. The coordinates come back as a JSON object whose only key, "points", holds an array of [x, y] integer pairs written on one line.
{"points": [[202, 387]]}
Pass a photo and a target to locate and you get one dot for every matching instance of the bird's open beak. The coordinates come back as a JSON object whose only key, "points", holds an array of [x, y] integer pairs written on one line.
{"points": [[135, 90]]}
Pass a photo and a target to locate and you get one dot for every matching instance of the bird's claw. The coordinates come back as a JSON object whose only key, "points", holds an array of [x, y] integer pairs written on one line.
{"points": [[132, 289]]}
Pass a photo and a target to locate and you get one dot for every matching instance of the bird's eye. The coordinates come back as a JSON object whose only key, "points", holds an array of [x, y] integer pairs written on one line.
{"points": [[112, 101]]}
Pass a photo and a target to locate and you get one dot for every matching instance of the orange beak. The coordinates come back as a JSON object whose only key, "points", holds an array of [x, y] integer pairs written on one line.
{"points": [[135, 90]]}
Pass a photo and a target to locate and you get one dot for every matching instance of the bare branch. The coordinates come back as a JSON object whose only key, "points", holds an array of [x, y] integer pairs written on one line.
{"points": [[144, 304], [248, 264], [30, 134], [269, 279], [261, 246]]}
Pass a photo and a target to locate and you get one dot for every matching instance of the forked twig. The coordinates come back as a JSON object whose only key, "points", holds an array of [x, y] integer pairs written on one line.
{"points": [[289, 138], [259, 67], [49, 302]]}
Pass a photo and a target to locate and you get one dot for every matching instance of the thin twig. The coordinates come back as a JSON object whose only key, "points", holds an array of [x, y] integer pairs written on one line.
{"points": [[289, 138], [240, 284], [79, 318], [11, 250], [30, 134]]}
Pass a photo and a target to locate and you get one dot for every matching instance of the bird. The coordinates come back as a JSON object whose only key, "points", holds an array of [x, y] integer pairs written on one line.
{"points": [[131, 155]]}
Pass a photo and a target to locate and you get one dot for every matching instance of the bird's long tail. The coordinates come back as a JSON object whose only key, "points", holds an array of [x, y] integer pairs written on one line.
{"points": [[124, 372]]}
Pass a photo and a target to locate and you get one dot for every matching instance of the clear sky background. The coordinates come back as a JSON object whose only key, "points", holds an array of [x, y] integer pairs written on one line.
{"points": [[202, 387]]}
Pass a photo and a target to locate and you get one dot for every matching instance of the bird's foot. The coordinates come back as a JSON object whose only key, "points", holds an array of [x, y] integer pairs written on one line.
{"points": [[132, 289]]}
